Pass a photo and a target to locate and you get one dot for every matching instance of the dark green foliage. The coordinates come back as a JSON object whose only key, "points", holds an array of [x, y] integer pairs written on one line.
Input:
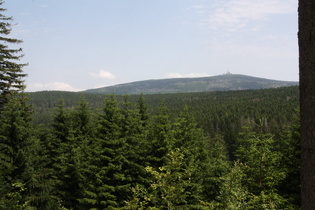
{"points": [[15, 144], [160, 138], [70, 134], [208, 156], [130, 155], [222, 113], [112, 166], [289, 145], [23, 178]]}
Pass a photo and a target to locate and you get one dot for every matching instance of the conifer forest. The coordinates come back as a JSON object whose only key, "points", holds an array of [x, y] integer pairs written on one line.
{"points": [[207, 150]]}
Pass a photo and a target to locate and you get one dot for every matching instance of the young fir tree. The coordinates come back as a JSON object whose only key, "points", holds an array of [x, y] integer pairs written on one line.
{"points": [[11, 73]]}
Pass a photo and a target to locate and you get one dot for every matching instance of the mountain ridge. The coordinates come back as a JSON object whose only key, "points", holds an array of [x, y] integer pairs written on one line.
{"points": [[225, 82]]}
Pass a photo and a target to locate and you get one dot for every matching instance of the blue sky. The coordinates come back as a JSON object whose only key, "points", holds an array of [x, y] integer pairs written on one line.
{"points": [[76, 45]]}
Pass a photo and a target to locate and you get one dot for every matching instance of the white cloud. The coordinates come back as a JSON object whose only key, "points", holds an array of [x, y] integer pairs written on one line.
{"points": [[178, 75], [102, 74], [237, 14], [50, 86]]}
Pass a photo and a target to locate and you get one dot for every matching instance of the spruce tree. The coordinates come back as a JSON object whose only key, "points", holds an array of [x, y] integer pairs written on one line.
{"points": [[168, 186], [11, 73], [208, 156], [133, 134], [143, 111], [159, 139], [111, 181], [83, 155], [290, 148], [70, 154], [190, 139], [262, 169], [61, 155], [16, 151]]}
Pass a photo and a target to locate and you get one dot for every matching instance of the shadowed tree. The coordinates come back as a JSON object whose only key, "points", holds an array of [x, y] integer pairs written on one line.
{"points": [[307, 101]]}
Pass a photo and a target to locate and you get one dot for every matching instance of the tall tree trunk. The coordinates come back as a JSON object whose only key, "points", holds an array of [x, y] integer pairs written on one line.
{"points": [[307, 101]]}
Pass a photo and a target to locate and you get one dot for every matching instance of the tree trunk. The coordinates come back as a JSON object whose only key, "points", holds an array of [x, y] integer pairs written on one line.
{"points": [[307, 101]]}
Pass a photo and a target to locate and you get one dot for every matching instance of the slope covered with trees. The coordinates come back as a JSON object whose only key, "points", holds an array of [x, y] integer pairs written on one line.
{"points": [[128, 158], [183, 85], [223, 112]]}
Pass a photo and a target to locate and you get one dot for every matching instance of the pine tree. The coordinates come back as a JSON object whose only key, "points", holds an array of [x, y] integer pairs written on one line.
{"points": [[11, 73]]}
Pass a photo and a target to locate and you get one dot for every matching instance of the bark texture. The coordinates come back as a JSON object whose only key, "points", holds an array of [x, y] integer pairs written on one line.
{"points": [[307, 101]]}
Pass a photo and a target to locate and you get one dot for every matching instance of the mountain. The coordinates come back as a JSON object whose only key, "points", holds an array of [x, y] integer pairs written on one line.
{"points": [[202, 84]]}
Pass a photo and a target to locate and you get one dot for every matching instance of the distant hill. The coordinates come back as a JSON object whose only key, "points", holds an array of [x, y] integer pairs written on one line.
{"points": [[224, 82]]}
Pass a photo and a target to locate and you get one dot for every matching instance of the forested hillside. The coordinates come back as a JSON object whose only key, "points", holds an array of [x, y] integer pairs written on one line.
{"points": [[223, 82], [213, 111]]}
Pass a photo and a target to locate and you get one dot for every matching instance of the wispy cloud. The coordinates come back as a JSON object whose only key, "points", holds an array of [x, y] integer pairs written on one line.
{"points": [[238, 14], [51, 86], [102, 74], [178, 75]]}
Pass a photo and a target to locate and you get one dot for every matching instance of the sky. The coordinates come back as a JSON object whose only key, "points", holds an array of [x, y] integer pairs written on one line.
{"points": [[75, 45]]}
